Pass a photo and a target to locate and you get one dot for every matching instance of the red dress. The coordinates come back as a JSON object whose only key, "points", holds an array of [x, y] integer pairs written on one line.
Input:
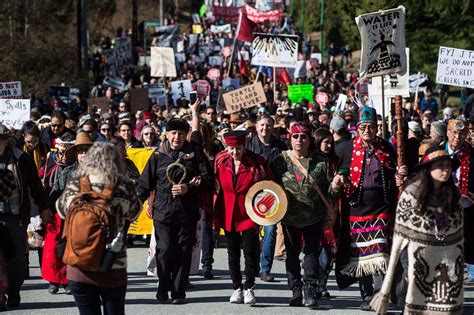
{"points": [[229, 201], [52, 268]]}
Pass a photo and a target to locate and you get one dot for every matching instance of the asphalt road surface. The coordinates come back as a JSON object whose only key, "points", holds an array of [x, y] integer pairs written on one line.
{"points": [[205, 297]]}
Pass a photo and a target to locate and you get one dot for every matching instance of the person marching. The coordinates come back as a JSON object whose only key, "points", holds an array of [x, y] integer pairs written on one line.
{"points": [[236, 170], [427, 242], [175, 171], [367, 220], [309, 184]]}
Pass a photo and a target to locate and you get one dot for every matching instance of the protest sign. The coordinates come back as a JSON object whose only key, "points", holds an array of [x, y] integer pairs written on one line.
{"points": [[119, 58], [62, 93], [197, 29], [300, 69], [193, 39], [221, 28], [317, 58], [226, 52], [144, 60], [275, 50], [156, 90], [214, 74], [138, 99], [215, 61], [14, 112], [202, 87], [229, 84], [394, 84], [115, 82], [244, 55], [455, 67], [180, 46], [162, 62], [167, 35], [341, 102], [245, 97], [226, 13], [180, 89], [98, 105], [322, 98], [259, 17], [383, 42], [10, 90], [297, 92]]}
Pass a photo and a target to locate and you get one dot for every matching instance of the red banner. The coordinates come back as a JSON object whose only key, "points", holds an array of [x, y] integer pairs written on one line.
{"points": [[226, 14], [260, 17]]}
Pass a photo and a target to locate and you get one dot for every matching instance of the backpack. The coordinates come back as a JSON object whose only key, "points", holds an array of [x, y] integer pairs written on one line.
{"points": [[88, 227]]}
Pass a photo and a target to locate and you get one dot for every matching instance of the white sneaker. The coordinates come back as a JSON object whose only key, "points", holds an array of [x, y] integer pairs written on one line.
{"points": [[237, 297], [249, 297]]}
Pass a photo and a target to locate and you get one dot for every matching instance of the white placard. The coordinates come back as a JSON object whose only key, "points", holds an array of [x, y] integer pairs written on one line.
{"points": [[156, 90], [394, 84], [275, 50], [14, 112], [383, 42], [162, 62], [115, 82], [181, 89], [215, 61], [10, 89], [341, 102], [455, 67], [317, 57], [221, 28]]}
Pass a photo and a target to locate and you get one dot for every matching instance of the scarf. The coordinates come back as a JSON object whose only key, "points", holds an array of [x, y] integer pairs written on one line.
{"points": [[35, 154], [358, 161], [465, 170]]}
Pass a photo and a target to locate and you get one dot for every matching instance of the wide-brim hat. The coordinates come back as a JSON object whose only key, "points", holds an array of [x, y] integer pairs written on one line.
{"points": [[83, 141], [436, 153], [266, 203]]}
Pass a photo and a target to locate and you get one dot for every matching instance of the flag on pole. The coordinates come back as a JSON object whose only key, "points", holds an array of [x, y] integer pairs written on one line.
{"points": [[245, 28], [282, 76], [243, 66]]}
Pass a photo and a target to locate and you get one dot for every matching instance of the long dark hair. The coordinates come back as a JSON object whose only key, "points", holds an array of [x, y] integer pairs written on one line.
{"points": [[424, 186], [319, 136]]}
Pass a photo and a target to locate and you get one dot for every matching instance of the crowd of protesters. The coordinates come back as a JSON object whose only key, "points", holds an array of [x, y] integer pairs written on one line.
{"points": [[204, 161]]}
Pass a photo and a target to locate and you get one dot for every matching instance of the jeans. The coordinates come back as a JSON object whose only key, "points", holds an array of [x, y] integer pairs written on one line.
{"points": [[370, 285], [207, 244], [325, 263], [312, 238], [89, 298], [251, 246], [268, 248], [470, 272]]}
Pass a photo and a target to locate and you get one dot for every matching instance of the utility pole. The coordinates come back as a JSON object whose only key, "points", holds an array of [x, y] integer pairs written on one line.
{"points": [[161, 12], [134, 30], [302, 16], [84, 58], [321, 27]]}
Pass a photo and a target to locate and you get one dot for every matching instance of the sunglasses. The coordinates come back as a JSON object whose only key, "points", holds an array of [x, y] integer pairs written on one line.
{"points": [[148, 134], [301, 136], [56, 126], [365, 127], [105, 130]]}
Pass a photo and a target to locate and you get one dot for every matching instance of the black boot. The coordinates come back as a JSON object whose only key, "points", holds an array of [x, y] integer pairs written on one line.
{"points": [[310, 295], [297, 298]]}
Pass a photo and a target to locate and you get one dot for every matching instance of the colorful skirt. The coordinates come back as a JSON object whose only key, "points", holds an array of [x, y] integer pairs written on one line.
{"points": [[52, 268]]}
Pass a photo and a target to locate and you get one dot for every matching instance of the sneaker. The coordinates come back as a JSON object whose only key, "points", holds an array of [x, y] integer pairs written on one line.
{"points": [[266, 277], [67, 290], [310, 296], [365, 306], [297, 298], [208, 275], [249, 297], [53, 288], [178, 301], [237, 297]]}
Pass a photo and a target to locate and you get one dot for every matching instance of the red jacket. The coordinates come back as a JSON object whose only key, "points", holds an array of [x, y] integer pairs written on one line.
{"points": [[229, 202]]}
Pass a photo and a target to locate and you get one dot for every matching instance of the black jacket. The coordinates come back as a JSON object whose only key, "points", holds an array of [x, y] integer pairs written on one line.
{"points": [[182, 209], [270, 153], [47, 137]]}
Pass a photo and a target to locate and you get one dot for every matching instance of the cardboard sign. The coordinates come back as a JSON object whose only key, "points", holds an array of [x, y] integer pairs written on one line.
{"points": [[10, 90], [119, 59], [162, 62], [14, 112], [197, 29], [202, 87], [180, 89], [383, 42], [115, 82], [394, 84], [455, 67], [248, 96], [221, 28], [297, 92], [322, 98], [214, 74], [98, 105], [138, 100], [275, 50], [215, 61]]}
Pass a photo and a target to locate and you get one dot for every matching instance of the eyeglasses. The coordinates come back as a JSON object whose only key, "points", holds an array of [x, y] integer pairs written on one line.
{"points": [[301, 136], [457, 133], [56, 126], [105, 130], [367, 126]]}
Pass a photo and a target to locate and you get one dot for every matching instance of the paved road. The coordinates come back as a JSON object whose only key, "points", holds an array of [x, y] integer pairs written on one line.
{"points": [[206, 297]]}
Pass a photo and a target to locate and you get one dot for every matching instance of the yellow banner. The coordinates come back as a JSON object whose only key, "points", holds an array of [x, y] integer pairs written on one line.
{"points": [[143, 225]]}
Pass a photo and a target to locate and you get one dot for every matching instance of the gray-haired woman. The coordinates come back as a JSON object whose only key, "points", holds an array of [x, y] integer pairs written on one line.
{"points": [[102, 167]]}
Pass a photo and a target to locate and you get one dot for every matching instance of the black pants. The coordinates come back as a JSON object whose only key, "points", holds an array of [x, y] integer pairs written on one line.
{"points": [[370, 285], [312, 238], [89, 297], [251, 246], [207, 243], [174, 245]]}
